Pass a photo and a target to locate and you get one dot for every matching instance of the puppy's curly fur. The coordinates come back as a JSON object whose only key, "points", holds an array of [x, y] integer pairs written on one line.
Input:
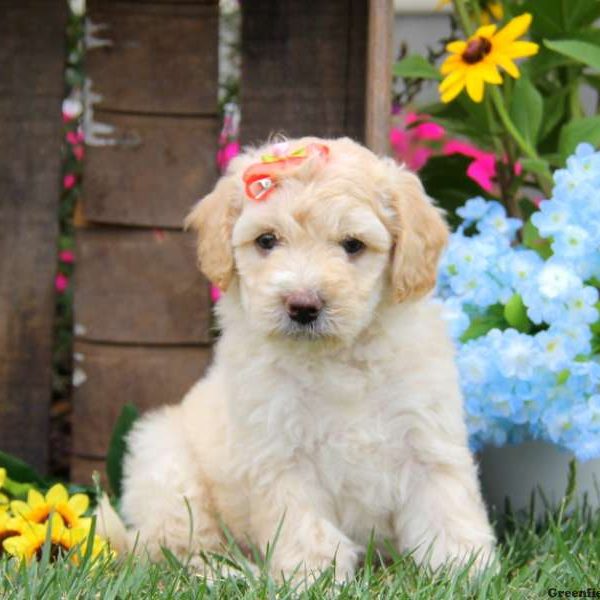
{"points": [[348, 425]]}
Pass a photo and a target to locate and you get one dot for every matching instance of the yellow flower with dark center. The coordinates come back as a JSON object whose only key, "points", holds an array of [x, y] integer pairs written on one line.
{"points": [[493, 11], [29, 544], [9, 526], [38, 507], [475, 62]]}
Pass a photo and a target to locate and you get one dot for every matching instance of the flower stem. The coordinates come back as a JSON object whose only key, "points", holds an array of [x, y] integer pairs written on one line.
{"points": [[463, 16], [545, 181]]}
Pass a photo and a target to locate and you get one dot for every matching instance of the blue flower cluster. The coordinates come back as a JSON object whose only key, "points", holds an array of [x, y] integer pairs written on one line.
{"points": [[525, 314]]}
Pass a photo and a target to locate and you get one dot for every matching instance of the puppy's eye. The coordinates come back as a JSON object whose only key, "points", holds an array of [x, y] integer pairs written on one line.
{"points": [[266, 241], [352, 245]]}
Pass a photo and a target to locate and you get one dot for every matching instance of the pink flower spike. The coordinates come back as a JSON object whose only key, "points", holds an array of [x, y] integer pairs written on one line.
{"points": [[226, 153], [66, 256], [72, 138], [61, 283], [69, 181], [215, 293], [78, 152]]}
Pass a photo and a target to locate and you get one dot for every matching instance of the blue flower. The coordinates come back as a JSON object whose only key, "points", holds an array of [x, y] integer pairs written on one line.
{"points": [[544, 384], [551, 218], [474, 209]]}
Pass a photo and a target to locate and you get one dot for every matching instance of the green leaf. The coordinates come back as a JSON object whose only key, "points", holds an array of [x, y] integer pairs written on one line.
{"points": [[585, 129], [534, 241], [416, 66], [563, 376], [118, 446], [481, 324], [555, 108], [536, 166], [20, 471], [582, 12], [515, 314], [526, 108], [583, 52], [445, 179]]}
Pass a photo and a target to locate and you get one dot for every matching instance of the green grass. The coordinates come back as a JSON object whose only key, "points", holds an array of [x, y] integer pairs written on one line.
{"points": [[561, 552]]}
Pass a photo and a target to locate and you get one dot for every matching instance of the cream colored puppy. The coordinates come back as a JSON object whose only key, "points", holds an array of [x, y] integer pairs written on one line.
{"points": [[333, 406]]}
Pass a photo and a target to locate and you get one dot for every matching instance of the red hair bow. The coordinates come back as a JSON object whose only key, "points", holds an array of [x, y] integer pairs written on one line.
{"points": [[261, 178]]}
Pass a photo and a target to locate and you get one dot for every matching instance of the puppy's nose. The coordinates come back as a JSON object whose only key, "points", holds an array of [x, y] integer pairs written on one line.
{"points": [[304, 306]]}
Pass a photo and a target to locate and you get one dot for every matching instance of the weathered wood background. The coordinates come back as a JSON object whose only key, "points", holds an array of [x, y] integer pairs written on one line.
{"points": [[142, 310], [32, 52], [304, 68]]}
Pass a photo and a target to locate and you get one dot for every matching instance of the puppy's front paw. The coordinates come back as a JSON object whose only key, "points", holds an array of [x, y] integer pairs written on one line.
{"points": [[316, 549], [346, 559]]}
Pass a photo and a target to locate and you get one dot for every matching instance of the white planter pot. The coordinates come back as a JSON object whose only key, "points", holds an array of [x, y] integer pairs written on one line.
{"points": [[515, 471]]}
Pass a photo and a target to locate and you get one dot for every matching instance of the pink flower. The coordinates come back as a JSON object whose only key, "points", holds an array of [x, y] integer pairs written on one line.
{"points": [[215, 293], [482, 173], [460, 147], [226, 153], [78, 152], [411, 118], [482, 170], [66, 256], [61, 283], [69, 181], [411, 139], [429, 131], [74, 137], [398, 137], [419, 157]]}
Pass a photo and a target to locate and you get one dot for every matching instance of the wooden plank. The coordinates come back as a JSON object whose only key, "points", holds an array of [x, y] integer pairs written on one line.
{"points": [[154, 174], [31, 88], [303, 68], [83, 468], [140, 287], [154, 58], [109, 376], [379, 75], [151, 2]]}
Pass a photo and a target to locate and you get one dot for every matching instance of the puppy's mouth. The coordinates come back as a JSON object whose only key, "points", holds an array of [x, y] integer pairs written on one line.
{"points": [[316, 329]]}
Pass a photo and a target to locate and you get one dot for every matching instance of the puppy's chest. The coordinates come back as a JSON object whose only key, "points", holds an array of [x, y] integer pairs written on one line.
{"points": [[344, 419]]}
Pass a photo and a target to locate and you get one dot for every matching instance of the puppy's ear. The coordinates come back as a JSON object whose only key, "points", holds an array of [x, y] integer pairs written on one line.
{"points": [[420, 234], [213, 219]]}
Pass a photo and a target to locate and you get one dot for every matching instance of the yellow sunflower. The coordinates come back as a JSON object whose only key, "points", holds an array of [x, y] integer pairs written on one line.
{"points": [[38, 507], [30, 542], [9, 526], [474, 62]]}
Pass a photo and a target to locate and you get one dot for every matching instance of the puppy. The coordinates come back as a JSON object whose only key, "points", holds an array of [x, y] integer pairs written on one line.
{"points": [[332, 411]]}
